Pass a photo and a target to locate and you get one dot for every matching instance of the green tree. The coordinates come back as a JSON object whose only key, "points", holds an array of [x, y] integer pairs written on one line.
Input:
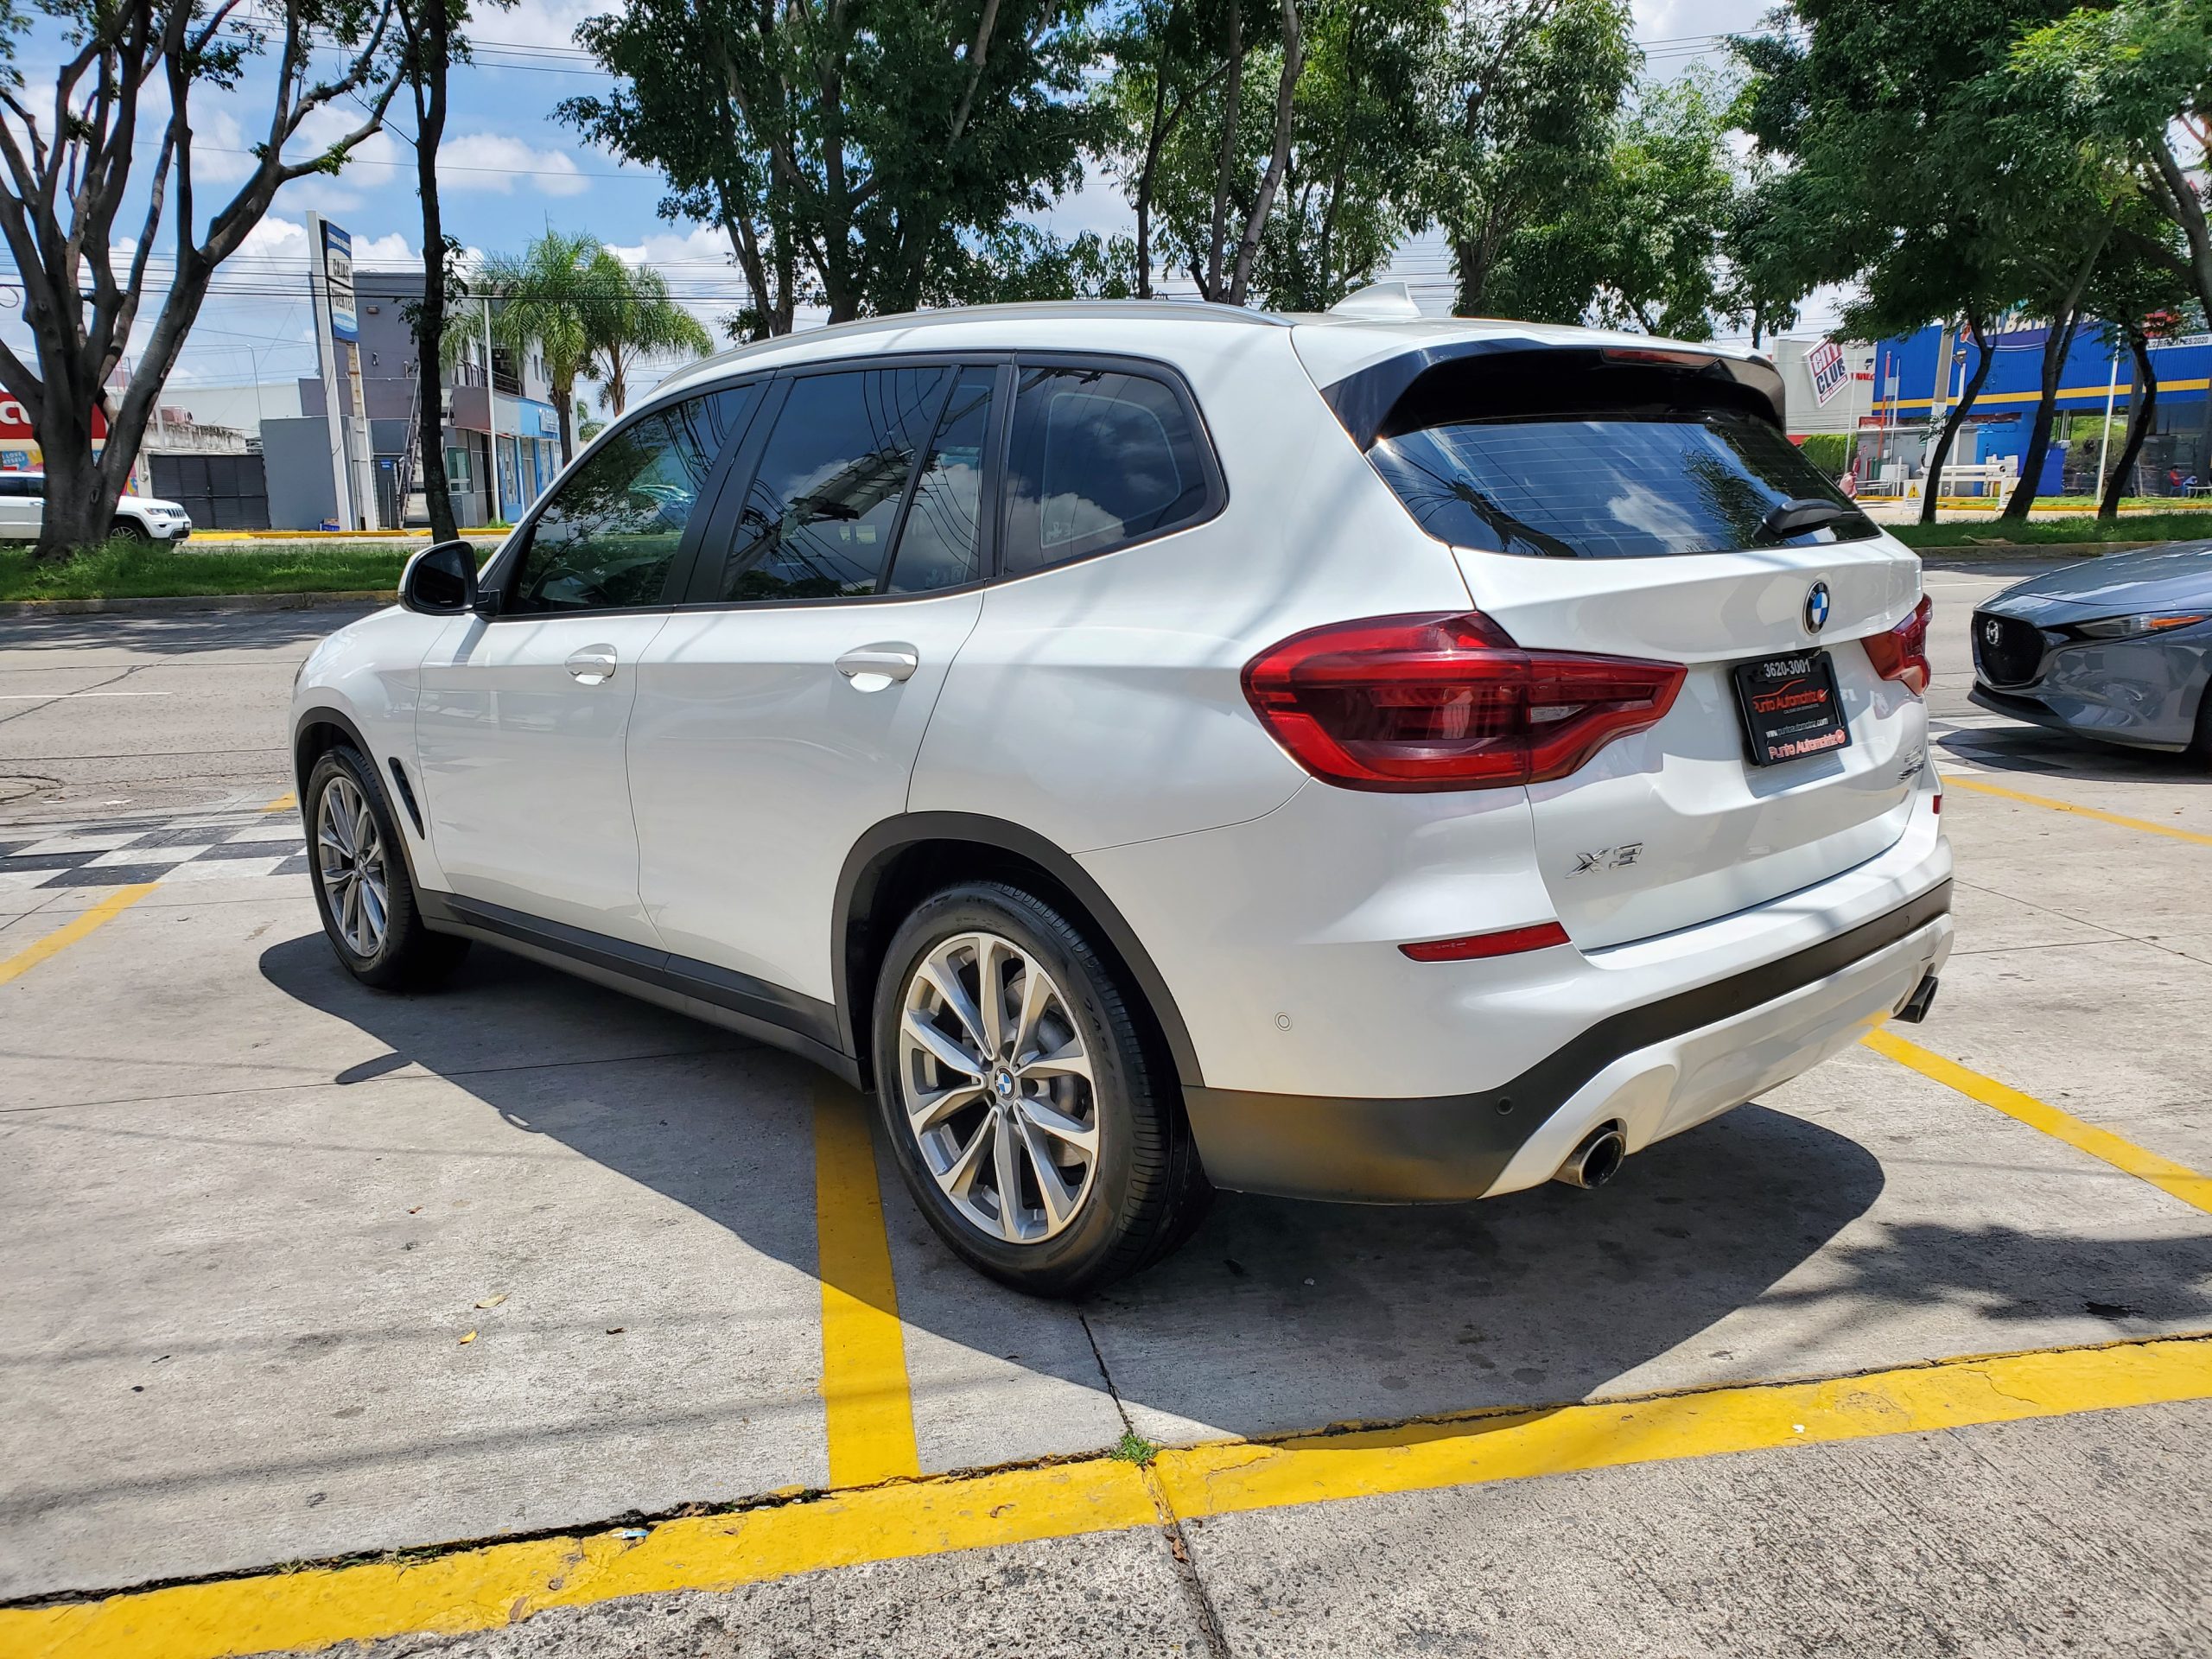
{"points": [[846, 148], [116, 131], [431, 43], [1761, 287], [1362, 127], [1910, 160], [2140, 289], [1639, 245], [2135, 78], [1928, 276], [1019, 262], [1213, 156], [1163, 62], [629, 316], [1527, 116], [549, 294]]}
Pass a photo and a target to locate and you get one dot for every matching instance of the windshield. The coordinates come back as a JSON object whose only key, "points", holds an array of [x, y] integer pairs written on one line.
{"points": [[1612, 486]]}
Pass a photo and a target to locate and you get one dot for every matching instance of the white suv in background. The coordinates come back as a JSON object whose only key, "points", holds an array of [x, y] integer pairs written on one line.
{"points": [[1163, 746], [137, 518]]}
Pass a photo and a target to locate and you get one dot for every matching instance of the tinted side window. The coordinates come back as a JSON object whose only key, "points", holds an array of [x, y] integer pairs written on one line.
{"points": [[941, 544], [613, 528], [817, 519], [1100, 459]]}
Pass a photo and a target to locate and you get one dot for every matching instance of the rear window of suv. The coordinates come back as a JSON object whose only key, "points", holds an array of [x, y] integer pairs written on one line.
{"points": [[1600, 486]]}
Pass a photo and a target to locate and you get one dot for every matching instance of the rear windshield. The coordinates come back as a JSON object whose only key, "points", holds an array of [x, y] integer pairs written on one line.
{"points": [[1609, 487]]}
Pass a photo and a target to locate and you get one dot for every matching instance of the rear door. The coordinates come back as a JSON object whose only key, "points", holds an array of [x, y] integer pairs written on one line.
{"points": [[1641, 515], [778, 714]]}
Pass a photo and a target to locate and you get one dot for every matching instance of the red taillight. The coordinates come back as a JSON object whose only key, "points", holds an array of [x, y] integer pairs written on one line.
{"points": [[1506, 943], [1902, 653], [1446, 701]]}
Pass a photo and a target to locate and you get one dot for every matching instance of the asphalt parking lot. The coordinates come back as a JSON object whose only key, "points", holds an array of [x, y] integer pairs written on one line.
{"points": [[632, 1313]]}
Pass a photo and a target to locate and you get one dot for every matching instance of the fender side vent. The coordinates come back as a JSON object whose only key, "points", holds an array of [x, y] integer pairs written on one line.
{"points": [[407, 795]]}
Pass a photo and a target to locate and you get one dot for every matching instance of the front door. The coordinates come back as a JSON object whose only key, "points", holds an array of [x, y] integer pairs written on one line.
{"points": [[776, 728], [525, 716]]}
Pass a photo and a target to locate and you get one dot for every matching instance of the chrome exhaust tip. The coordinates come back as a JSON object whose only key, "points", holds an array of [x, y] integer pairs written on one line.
{"points": [[1914, 1009], [1597, 1161]]}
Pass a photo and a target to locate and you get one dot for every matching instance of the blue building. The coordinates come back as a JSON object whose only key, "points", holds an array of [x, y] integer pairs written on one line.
{"points": [[1922, 375]]}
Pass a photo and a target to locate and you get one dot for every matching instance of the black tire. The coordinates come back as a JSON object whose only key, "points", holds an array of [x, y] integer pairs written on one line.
{"points": [[2200, 747], [410, 956], [1147, 1189], [127, 530]]}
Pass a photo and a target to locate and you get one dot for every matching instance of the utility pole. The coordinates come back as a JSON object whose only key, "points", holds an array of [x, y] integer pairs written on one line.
{"points": [[2104, 437]]}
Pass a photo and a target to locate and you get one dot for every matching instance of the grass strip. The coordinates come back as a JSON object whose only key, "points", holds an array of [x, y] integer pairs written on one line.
{"points": [[1972, 533], [135, 570]]}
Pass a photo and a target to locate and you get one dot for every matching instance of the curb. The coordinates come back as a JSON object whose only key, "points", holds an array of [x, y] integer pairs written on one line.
{"points": [[186, 602], [2035, 550]]}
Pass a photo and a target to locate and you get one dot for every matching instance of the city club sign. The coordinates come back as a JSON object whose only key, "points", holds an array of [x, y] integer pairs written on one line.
{"points": [[18, 436]]}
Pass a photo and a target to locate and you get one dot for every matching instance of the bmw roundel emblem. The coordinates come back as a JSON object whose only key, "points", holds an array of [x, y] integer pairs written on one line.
{"points": [[1816, 608]]}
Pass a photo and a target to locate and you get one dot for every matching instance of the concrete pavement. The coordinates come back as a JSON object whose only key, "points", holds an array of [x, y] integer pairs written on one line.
{"points": [[250, 1212], [108, 715]]}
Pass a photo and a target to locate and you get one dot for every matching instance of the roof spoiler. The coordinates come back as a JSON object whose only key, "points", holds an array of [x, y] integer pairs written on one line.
{"points": [[1465, 379]]}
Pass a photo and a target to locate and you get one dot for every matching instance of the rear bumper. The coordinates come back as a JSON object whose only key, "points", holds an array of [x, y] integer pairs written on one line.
{"points": [[1655, 1069]]}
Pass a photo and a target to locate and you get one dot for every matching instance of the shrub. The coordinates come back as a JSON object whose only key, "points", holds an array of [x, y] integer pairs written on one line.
{"points": [[1828, 451]]}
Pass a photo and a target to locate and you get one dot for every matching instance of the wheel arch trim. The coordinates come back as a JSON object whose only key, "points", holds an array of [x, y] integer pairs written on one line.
{"points": [[325, 714], [873, 855]]}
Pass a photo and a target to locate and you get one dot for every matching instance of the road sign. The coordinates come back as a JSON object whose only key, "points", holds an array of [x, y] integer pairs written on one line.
{"points": [[1826, 361], [338, 277]]}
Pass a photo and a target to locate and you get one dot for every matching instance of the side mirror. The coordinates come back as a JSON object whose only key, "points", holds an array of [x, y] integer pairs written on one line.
{"points": [[441, 581]]}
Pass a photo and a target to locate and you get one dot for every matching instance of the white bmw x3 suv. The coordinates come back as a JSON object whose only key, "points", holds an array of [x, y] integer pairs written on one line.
{"points": [[1156, 748]]}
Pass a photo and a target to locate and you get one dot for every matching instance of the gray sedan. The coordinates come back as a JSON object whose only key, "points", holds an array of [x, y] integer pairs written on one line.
{"points": [[2119, 649]]}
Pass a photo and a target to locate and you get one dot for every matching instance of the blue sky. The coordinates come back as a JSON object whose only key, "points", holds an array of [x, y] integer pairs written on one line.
{"points": [[508, 170]]}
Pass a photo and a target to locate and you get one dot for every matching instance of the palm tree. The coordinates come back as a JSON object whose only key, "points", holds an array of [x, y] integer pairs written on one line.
{"points": [[554, 294], [633, 316]]}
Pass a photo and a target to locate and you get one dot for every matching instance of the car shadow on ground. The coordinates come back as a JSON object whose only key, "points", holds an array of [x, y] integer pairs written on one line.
{"points": [[2037, 750], [1281, 1316]]}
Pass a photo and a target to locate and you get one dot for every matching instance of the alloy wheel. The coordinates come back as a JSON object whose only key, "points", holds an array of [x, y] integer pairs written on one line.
{"points": [[349, 861], [996, 1088]]}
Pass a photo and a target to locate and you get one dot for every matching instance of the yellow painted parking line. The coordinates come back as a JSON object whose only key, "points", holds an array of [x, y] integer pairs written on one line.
{"points": [[494, 1585], [866, 1398], [62, 938], [284, 802], [2163, 1173], [1952, 781], [1516, 1446]]}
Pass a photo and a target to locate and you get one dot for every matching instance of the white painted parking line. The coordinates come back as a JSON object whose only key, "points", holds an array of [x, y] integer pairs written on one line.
{"points": [[125, 856]]}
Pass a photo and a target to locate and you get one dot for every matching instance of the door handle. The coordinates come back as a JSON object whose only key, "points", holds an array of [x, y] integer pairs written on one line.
{"points": [[592, 665], [882, 663]]}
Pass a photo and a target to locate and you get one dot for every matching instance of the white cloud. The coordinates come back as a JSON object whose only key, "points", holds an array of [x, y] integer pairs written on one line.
{"points": [[497, 161], [277, 242], [1096, 204], [697, 264], [537, 22], [219, 152], [685, 255]]}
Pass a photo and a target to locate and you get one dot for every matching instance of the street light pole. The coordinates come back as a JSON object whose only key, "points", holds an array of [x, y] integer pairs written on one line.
{"points": [[492, 421]]}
